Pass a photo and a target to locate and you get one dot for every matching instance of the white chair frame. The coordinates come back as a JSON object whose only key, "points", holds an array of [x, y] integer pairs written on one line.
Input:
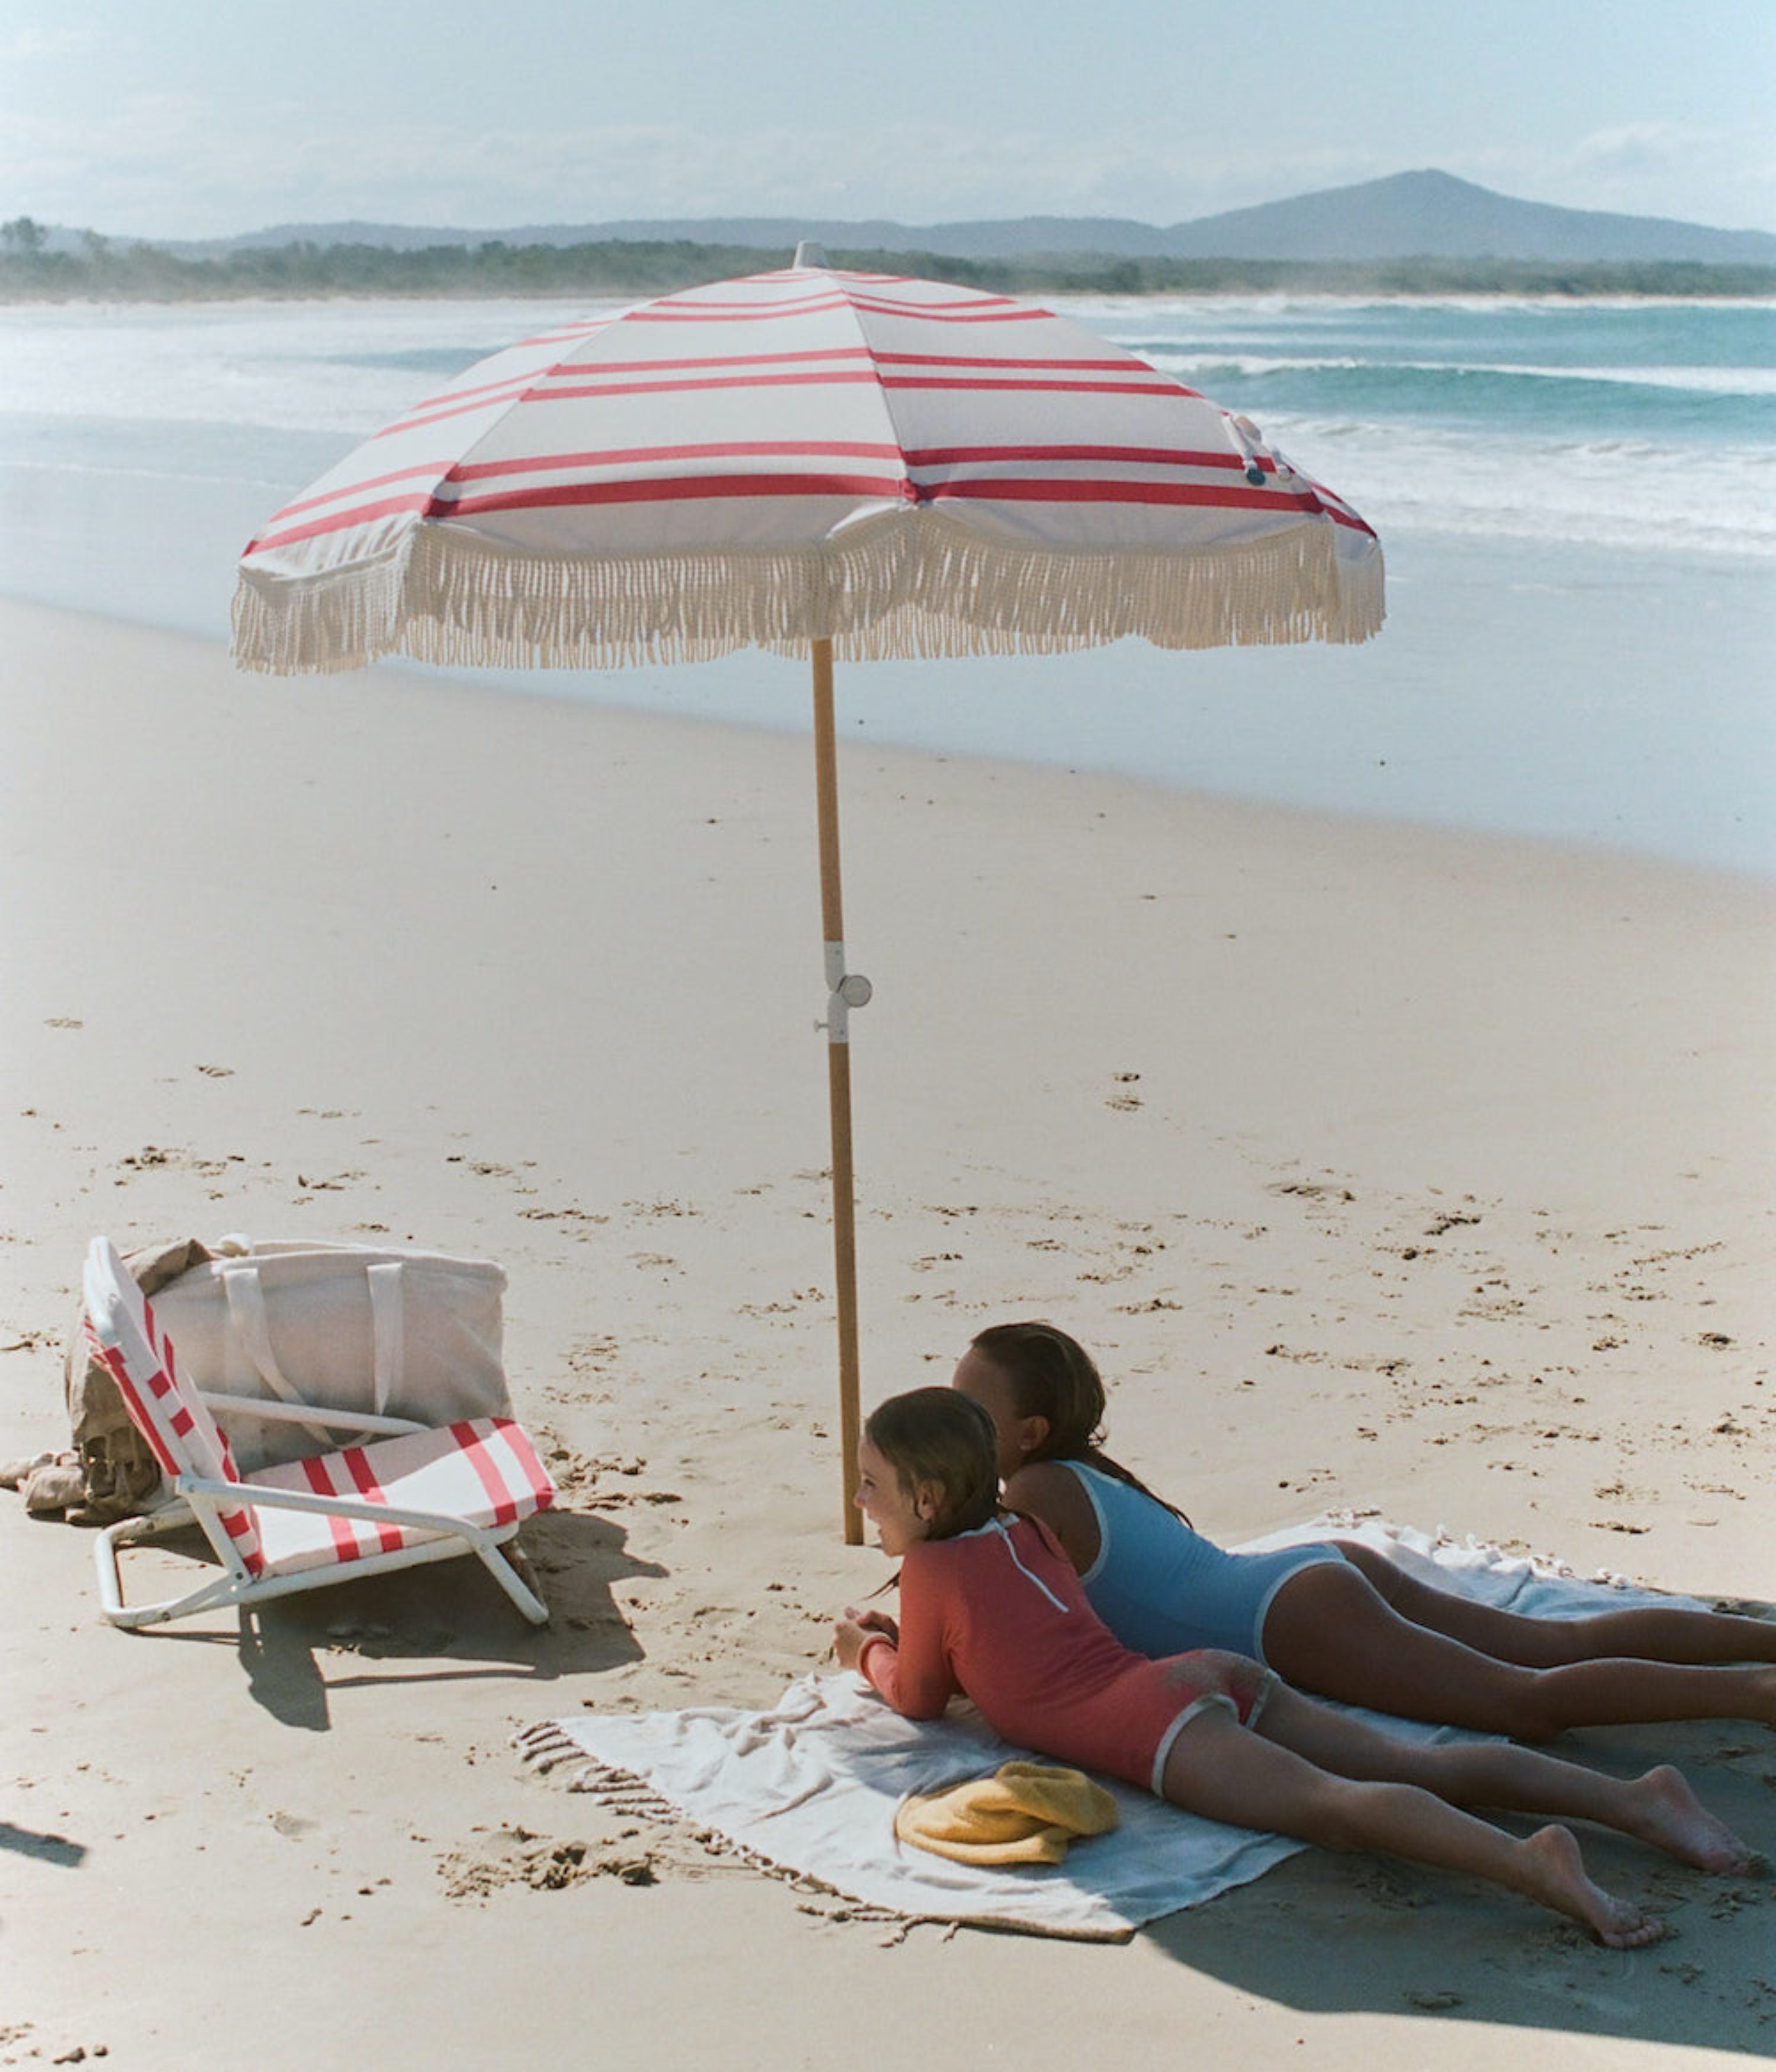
{"points": [[196, 1500]]}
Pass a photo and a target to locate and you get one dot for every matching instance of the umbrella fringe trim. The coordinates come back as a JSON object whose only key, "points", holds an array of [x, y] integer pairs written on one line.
{"points": [[927, 590], [340, 619]]}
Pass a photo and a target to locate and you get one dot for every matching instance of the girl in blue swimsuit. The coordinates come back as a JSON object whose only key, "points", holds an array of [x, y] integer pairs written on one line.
{"points": [[1335, 1618]]}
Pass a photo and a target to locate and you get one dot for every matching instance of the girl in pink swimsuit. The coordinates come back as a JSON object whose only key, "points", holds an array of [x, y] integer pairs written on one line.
{"points": [[1336, 1618], [991, 1607]]}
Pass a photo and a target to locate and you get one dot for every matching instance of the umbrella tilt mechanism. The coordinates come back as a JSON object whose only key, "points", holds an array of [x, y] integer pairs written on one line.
{"points": [[844, 990]]}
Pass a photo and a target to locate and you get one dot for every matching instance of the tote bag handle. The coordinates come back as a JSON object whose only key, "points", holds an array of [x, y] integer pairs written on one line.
{"points": [[246, 1301]]}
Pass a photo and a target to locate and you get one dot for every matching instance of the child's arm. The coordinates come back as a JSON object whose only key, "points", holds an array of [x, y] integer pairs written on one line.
{"points": [[912, 1670]]}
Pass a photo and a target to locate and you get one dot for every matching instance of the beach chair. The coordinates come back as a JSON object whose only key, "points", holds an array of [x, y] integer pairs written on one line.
{"points": [[412, 1493]]}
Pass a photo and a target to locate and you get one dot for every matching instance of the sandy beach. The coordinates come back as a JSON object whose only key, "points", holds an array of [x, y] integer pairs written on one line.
{"points": [[1386, 1169]]}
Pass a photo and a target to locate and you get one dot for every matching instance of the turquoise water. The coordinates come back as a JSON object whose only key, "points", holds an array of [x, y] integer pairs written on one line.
{"points": [[1622, 423], [1578, 501]]}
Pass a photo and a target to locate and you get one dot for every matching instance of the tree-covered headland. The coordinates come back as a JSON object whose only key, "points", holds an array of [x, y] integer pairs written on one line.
{"points": [[103, 271]]}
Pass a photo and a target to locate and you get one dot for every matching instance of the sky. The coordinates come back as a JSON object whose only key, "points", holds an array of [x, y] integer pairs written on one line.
{"points": [[189, 119]]}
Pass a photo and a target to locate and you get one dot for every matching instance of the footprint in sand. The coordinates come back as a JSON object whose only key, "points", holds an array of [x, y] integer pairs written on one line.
{"points": [[1312, 1189]]}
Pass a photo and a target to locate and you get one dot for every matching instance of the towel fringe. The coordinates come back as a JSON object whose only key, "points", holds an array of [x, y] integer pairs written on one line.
{"points": [[918, 586], [547, 1746]]}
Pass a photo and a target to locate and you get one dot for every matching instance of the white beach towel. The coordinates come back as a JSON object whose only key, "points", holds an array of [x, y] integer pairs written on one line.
{"points": [[812, 1785]]}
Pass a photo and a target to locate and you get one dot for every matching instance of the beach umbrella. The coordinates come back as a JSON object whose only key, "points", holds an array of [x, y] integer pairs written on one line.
{"points": [[822, 462]]}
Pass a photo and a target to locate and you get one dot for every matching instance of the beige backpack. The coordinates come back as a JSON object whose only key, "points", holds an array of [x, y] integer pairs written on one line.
{"points": [[119, 1475]]}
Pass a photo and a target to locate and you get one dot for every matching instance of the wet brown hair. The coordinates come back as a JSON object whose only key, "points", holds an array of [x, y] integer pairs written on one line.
{"points": [[934, 1435], [1053, 1377]]}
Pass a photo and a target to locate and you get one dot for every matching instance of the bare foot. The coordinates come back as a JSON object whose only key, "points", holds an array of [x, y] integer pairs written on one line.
{"points": [[1667, 1813], [1556, 1875]]}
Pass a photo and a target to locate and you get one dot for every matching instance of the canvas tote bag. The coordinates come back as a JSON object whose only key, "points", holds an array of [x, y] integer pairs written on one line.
{"points": [[401, 1334]]}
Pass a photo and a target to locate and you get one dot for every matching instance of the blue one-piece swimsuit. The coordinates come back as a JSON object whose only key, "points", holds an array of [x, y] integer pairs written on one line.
{"points": [[1162, 1589]]}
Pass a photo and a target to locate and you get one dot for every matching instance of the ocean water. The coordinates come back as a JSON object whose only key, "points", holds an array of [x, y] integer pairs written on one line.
{"points": [[1577, 500]]}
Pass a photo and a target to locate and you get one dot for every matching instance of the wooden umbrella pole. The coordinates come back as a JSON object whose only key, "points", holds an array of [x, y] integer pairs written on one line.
{"points": [[845, 991]]}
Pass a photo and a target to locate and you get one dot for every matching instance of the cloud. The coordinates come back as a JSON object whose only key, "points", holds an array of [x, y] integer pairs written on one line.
{"points": [[1637, 166], [1637, 148], [164, 165], [1647, 168], [27, 46], [919, 173]]}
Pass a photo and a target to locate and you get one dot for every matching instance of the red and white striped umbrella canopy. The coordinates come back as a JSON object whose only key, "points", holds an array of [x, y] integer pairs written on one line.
{"points": [[899, 467]]}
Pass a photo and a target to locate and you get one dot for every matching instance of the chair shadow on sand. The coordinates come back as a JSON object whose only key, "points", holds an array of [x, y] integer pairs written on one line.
{"points": [[1325, 1934], [448, 1623]]}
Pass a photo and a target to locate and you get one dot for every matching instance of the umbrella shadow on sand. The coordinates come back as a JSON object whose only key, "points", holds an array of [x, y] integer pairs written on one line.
{"points": [[444, 1624], [1323, 1934]]}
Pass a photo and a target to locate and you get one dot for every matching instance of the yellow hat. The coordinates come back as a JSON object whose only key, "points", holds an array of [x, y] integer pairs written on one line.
{"points": [[1024, 1813]]}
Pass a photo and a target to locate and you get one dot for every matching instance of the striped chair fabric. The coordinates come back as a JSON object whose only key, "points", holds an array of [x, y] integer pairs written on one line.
{"points": [[482, 1474], [484, 1471], [172, 1417]]}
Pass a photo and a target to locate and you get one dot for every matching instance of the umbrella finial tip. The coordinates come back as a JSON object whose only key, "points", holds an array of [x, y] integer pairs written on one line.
{"points": [[811, 252]]}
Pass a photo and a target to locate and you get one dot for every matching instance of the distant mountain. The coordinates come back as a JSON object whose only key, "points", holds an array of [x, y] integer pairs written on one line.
{"points": [[1432, 215], [1420, 215]]}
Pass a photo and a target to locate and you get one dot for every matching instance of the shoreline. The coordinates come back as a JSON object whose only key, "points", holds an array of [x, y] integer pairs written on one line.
{"points": [[1227, 841], [468, 267], [562, 687], [1422, 1172], [1577, 633], [1445, 722], [1553, 297]]}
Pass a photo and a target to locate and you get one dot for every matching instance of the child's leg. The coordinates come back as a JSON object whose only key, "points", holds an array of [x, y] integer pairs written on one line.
{"points": [[1659, 1808], [1331, 1630], [1226, 1772], [1649, 1633]]}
